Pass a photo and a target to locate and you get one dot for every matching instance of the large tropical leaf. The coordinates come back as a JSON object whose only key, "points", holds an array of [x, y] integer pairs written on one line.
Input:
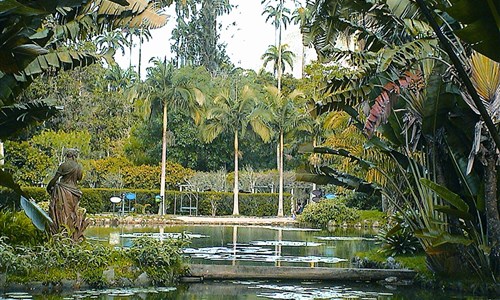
{"points": [[11, 85], [446, 194], [308, 148], [326, 175], [480, 24], [38, 216], [380, 111], [19, 116]]}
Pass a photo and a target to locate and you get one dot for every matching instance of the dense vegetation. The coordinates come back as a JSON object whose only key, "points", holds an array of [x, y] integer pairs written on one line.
{"points": [[34, 258], [402, 105]]}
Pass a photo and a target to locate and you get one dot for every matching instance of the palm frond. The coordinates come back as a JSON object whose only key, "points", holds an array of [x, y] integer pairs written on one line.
{"points": [[18, 116]]}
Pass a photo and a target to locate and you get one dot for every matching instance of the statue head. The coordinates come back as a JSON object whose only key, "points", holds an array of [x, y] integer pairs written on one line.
{"points": [[71, 153]]}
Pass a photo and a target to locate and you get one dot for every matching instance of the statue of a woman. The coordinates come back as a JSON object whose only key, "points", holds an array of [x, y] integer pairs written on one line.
{"points": [[65, 197]]}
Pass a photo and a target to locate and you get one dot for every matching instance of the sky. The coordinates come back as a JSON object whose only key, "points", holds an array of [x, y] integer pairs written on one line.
{"points": [[246, 41]]}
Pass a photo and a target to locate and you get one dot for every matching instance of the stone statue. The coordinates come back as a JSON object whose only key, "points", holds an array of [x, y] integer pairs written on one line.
{"points": [[64, 210]]}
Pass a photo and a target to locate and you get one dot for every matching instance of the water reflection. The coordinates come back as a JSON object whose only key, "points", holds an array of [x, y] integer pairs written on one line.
{"points": [[251, 290], [252, 245]]}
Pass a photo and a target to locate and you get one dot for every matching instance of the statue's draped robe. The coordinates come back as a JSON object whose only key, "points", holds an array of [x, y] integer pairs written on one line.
{"points": [[64, 206]]}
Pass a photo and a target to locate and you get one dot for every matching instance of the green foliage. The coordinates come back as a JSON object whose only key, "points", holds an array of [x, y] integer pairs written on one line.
{"points": [[416, 262], [372, 216], [363, 201], [53, 143], [259, 204], [97, 201], [29, 165], [17, 229], [161, 260], [319, 214], [61, 258], [398, 240]]}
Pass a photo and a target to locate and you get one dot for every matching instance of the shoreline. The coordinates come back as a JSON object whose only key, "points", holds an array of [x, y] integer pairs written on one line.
{"points": [[113, 220]]}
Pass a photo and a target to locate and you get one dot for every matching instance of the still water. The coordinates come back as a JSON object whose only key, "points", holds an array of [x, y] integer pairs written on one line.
{"points": [[251, 290], [252, 245]]}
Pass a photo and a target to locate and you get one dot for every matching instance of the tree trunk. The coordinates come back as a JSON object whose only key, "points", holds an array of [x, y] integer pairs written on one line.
{"points": [[140, 55], [279, 49], [236, 189], [163, 160], [130, 49], [280, 170], [314, 186], [491, 205]]}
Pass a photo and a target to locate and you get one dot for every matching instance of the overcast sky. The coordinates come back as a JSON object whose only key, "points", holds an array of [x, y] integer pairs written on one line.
{"points": [[246, 41]]}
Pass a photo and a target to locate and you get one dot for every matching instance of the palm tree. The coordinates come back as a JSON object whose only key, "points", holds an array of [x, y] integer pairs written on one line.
{"points": [[234, 110], [280, 16], [164, 87], [112, 40], [144, 35], [130, 32], [286, 117], [275, 56]]}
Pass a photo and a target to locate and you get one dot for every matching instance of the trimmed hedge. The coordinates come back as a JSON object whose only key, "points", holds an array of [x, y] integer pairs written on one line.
{"points": [[97, 201]]}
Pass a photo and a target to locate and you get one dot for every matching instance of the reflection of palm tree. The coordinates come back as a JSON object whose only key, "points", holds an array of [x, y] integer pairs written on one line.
{"points": [[235, 243], [277, 249], [165, 86], [233, 110]]}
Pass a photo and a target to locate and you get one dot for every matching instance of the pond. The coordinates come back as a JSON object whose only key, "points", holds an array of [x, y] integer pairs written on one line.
{"points": [[252, 245], [250, 290]]}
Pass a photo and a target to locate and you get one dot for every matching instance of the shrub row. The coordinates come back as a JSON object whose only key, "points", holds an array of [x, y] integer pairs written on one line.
{"points": [[209, 203]]}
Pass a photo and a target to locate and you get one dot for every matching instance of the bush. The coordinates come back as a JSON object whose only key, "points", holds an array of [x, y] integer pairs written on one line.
{"points": [[398, 238], [60, 258], [161, 260], [17, 229], [319, 214], [363, 201], [258, 204], [97, 201]]}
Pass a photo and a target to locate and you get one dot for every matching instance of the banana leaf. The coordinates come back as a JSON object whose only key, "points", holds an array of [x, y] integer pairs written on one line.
{"points": [[37, 215], [454, 212], [446, 194]]}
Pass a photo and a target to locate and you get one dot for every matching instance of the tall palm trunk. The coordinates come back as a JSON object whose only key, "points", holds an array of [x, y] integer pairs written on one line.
{"points": [[314, 186], [236, 189], [140, 54], [130, 49], [280, 195], [163, 160], [279, 48]]}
